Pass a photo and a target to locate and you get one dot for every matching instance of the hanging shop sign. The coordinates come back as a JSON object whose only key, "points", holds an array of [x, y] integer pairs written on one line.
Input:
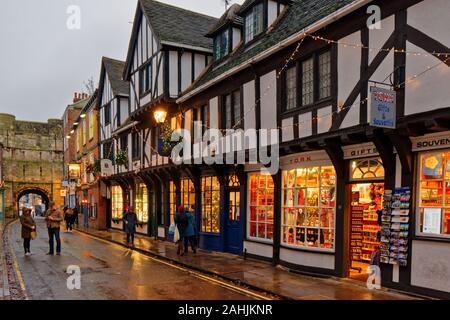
{"points": [[74, 171], [304, 159], [431, 141], [383, 108], [360, 151], [106, 167]]}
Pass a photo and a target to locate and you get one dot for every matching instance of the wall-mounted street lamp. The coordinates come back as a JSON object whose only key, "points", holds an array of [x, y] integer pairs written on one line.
{"points": [[72, 131], [160, 116], [83, 115]]}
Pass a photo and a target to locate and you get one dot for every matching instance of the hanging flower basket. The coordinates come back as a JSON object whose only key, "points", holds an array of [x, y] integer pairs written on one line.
{"points": [[165, 143], [94, 168], [121, 158]]}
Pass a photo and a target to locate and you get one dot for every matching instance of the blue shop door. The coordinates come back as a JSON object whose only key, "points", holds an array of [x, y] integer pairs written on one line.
{"points": [[233, 220]]}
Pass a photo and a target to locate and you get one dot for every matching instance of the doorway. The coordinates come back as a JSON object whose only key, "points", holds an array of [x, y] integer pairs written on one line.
{"points": [[366, 203], [233, 220]]}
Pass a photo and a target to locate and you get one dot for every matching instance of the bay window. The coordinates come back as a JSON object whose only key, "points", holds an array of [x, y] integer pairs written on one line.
{"points": [[434, 194], [172, 201]]}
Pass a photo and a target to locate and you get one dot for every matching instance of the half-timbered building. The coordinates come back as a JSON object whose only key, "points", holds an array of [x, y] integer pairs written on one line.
{"points": [[313, 70], [168, 50], [115, 134]]}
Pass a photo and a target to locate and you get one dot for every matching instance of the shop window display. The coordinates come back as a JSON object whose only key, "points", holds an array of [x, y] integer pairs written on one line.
{"points": [[434, 193], [172, 201], [309, 207], [141, 203], [117, 202], [210, 205], [261, 206], [188, 194]]}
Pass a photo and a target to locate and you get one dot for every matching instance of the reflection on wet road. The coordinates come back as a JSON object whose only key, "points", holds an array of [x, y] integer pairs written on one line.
{"points": [[108, 272]]}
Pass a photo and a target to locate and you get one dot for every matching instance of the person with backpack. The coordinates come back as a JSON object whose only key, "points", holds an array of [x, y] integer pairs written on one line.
{"points": [[181, 221]]}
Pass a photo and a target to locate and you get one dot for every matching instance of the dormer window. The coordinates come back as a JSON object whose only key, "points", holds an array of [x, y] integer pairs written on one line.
{"points": [[254, 22], [222, 44]]}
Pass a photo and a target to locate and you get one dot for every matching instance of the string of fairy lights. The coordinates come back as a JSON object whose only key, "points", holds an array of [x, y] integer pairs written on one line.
{"points": [[324, 116]]}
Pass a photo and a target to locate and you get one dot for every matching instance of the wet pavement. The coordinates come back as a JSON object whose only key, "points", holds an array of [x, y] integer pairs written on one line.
{"points": [[257, 274], [108, 272]]}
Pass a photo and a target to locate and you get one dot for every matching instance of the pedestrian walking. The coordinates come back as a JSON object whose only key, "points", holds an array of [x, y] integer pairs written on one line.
{"points": [[181, 222], [28, 227], [130, 220], [54, 217], [190, 234], [75, 216], [69, 219]]}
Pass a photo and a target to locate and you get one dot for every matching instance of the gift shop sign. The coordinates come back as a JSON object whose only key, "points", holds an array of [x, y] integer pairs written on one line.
{"points": [[382, 108], [360, 151], [431, 141]]}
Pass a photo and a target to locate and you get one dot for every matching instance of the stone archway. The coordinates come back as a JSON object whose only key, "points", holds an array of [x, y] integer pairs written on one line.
{"points": [[44, 194]]}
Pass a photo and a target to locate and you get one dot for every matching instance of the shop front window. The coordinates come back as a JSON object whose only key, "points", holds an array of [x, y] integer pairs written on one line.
{"points": [[210, 205], [141, 202], [188, 194], [172, 201], [260, 225], [309, 207], [434, 194], [117, 202]]}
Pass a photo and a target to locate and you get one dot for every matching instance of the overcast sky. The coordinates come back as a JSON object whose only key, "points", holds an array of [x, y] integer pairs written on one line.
{"points": [[43, 62]]}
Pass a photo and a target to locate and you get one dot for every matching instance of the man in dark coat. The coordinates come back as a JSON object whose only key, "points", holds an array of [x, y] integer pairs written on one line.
{"points": [[181, 221], [130, 221]]}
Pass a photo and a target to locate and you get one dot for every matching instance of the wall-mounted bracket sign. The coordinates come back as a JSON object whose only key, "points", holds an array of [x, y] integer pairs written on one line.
{"points": [[383, 111]]}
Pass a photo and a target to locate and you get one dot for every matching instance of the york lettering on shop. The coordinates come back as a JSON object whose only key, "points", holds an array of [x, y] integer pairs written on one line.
{"points": [[301, 159]]}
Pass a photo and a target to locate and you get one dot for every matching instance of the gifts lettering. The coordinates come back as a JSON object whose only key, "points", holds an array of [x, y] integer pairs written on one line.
{"points": [[363, 152]]}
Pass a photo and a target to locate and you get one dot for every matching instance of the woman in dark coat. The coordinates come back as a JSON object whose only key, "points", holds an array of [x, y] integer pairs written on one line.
{"points": [[181, 221], [130, 220], [28, 226]]}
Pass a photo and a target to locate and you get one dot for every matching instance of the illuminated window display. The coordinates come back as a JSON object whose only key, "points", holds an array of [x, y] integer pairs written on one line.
{"points": [[367, 169], [141, 203], [261, 190], [117, 202], [210, 205], [308, 211], [172, 201], [188, 194], [434, 193]]}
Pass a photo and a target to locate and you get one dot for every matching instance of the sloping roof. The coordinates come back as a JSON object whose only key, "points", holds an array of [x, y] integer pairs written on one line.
{"points": [[230, 16], [177, 25], [115, 68], [300, 14]]}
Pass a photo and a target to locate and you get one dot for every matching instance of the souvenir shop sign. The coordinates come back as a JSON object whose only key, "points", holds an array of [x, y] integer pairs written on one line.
{"points": [[383, 108], [431, 142]]}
